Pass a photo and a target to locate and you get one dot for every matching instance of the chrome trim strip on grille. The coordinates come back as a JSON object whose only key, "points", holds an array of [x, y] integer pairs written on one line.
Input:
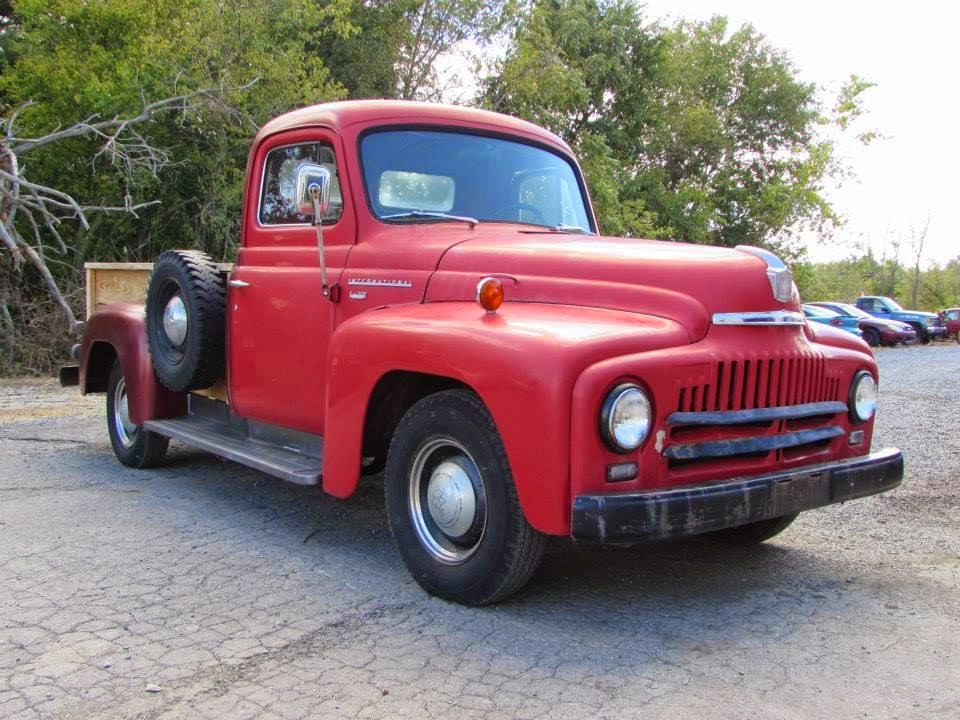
{"points": [[740, 417], [769, 317], [741, 446]]}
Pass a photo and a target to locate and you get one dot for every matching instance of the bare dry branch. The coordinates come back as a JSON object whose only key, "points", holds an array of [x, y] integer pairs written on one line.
{"points": [[11, 245], [113, 127], [43, 208]]}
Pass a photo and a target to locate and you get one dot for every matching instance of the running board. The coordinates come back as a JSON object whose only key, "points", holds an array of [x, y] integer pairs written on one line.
{"points": [[287, 454]]}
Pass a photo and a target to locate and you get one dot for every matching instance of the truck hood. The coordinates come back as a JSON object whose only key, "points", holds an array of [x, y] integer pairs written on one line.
{"points": [[682, 282]]}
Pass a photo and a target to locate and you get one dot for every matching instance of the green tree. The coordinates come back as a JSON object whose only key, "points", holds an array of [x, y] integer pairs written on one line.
{"points": [[692, 132], [99, 60], [80, 60], [586, 70]]}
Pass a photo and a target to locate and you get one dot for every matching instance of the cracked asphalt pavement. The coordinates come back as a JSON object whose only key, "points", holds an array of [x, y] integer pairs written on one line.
{"points": [[206, 590]]}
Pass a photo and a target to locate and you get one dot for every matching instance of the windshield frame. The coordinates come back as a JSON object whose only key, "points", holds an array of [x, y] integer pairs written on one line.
{"points": [[566, 157]]}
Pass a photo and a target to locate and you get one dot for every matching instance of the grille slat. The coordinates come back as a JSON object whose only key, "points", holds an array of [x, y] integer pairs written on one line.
{"points": [[753, 382], [754, 406]]}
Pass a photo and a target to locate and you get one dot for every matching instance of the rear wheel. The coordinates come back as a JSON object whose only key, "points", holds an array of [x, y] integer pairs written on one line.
{"points": [[452, 504], [133, 446], [754, 533], [871, 336]]}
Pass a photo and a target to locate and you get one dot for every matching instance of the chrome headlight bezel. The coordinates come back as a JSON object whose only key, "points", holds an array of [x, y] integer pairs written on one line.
{"points": [[615, 423], [863, 397]]}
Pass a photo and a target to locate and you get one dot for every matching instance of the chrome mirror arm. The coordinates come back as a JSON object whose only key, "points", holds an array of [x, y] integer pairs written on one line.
{"points": [[318, 224]]}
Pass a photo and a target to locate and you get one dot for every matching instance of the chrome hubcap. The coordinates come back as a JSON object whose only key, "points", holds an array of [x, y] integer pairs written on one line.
{"points": [[451, 499], [175, 320], [125, 428], [447, 503]]}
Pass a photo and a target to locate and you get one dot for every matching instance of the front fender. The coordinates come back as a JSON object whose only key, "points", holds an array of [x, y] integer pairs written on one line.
{"points": [[521, 361], [835, 337], [122, 329]]}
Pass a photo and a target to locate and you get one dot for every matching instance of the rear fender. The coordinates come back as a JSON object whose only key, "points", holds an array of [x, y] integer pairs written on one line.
{"points": [[521, 361], [118, 332]]}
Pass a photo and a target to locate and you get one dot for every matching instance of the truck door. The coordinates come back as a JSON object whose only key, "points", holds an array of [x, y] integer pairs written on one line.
{"points": [[279, 321]]}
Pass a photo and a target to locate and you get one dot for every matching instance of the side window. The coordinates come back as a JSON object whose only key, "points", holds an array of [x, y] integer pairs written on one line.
{"points": [[277, 201], [869, 305]]}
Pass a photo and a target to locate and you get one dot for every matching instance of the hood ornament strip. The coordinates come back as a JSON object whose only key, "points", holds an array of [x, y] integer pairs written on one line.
{"points": [[769, 317]]}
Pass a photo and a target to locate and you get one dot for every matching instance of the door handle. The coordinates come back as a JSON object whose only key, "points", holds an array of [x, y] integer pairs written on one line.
{"points": [[239, 283]]}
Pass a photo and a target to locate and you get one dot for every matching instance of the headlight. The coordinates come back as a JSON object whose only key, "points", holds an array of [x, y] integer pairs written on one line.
{"points": [[625, 418], [863, 396]]}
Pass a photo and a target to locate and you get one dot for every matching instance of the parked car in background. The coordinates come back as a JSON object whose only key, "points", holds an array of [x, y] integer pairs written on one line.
{"points": [[829, 317], [951, 319], [876, 331], [927, 324]]}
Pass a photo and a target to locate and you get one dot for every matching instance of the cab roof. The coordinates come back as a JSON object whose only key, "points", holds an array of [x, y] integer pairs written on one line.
{"points": [[340, 115]]}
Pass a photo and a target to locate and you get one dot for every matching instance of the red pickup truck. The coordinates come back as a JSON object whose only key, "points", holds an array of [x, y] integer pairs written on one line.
{"points": [[424, 290]]}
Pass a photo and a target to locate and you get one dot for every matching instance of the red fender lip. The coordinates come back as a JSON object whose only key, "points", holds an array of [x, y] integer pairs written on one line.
{"points": [[123, 327]]}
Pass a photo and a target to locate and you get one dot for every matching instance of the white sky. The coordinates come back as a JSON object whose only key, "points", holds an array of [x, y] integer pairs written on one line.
{"points": [[910, 50]]}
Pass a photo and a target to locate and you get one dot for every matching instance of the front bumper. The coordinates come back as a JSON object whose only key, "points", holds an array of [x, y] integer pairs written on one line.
{"points": [[937, 331], [898, 336], [694, 509]]}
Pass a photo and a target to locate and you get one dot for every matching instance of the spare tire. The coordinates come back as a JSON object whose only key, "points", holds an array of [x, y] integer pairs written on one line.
{"points": [[186, 301]]}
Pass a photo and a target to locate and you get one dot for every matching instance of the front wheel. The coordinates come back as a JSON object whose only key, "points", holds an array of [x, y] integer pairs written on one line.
{"points": [[922, 334], [871, 336], [133, 446], [452, 504]]}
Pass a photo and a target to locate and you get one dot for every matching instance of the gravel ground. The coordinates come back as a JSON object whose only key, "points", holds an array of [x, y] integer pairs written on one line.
{"points": [[206, 590]]}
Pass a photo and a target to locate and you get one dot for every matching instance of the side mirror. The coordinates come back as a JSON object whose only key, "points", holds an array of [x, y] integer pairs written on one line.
{"points": [[313, 190]]}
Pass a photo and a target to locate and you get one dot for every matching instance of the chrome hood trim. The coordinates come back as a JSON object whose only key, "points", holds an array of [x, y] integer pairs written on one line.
{"points": [[769, 317]]}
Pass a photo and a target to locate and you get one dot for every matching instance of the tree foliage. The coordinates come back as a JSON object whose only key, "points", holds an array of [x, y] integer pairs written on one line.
{"points": [[938, 287], [692, 132]]}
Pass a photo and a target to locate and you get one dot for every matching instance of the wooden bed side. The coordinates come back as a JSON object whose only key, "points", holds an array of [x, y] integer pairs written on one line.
{"points": [[121, 282], [127, 283]]}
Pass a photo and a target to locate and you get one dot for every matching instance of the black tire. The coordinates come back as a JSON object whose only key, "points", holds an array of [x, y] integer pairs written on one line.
{"points": [[754, 533], [194, 359], [922, 335], [451, 435], [133, 446], [871, 337]]}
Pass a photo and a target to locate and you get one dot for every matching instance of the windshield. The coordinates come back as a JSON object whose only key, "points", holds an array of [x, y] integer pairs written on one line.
{"points": [[853, 310], [820, 312], [892, 305], [433, 176]]}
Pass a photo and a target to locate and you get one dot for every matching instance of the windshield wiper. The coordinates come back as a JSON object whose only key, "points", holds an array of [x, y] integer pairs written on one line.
{"points": [[432, 215], [571, 229]]}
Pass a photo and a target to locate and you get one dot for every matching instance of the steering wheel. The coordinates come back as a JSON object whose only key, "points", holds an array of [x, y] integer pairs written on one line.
{"points": [[538, 218]]}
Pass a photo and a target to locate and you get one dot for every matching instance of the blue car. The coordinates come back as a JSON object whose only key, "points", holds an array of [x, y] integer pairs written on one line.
{"points": [[829, 317]]}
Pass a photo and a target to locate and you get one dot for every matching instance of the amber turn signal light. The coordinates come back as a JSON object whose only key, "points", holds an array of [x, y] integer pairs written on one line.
{"points": [[490, 294]]}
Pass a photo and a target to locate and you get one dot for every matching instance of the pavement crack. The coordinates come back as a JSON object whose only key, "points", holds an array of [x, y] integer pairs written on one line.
{"points": [[71, 441]]}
